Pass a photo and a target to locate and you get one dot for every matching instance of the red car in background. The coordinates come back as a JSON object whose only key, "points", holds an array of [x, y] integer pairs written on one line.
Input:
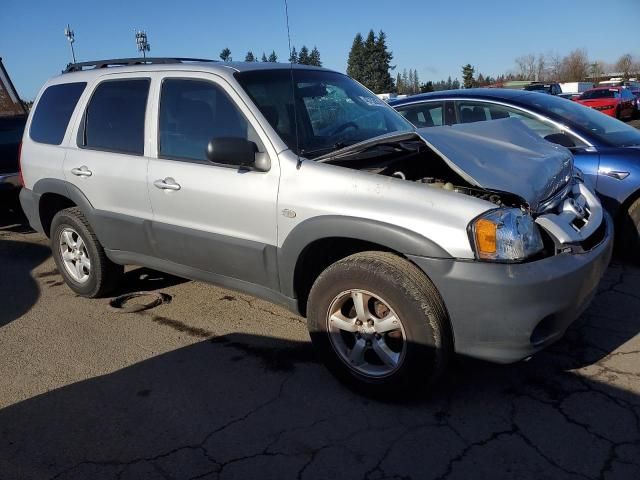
{"points": [[617, 102]]}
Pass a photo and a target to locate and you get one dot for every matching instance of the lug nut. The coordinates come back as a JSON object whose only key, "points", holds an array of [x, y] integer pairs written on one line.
{"points": [[358, 322], [371, 323]]}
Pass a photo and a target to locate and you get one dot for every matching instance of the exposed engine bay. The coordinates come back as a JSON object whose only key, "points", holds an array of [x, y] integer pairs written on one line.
{"points": [[415, 162]]}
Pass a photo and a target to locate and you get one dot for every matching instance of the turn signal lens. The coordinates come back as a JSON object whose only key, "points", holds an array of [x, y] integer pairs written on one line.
{"points": [[505, 234], [486, 236]]}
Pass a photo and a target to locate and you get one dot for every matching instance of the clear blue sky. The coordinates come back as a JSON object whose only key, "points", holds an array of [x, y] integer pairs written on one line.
{"points": [[435, 37]]}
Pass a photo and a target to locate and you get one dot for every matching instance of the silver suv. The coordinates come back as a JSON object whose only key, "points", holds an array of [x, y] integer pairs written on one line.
{"points": [[298, 185]]}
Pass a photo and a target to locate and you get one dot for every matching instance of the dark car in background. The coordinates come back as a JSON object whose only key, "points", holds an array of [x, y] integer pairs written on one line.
{"points": [[541, 87], [11, 130], [605, 149]]}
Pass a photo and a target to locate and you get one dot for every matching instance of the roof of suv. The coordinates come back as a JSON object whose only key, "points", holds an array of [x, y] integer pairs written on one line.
{"points": [[221, 68]]}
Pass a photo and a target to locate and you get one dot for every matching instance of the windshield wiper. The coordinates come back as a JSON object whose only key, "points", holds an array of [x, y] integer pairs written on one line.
{"points": [[389, 140], [332, 148]]}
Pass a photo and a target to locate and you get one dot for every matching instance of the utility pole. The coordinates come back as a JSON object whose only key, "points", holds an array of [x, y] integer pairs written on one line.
{"points": [[71, 37], [142, 43]]}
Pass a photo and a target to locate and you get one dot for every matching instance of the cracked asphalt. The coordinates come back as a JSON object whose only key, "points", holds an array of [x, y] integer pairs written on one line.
{"points": [[219, 385]]}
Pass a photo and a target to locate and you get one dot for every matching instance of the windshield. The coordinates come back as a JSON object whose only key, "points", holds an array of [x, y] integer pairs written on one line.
{"points": [[593, 94], [332, 110], [606, 129]]}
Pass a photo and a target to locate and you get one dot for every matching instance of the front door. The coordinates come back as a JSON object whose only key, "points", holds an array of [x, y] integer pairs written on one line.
{"points": [[210, 217]]}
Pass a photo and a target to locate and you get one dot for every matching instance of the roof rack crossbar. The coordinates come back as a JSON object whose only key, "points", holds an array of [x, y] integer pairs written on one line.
{"points": [[121, 62]]}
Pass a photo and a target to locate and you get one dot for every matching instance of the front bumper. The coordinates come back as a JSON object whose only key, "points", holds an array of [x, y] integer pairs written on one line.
{"points": [[506, 312], [9, 181]]}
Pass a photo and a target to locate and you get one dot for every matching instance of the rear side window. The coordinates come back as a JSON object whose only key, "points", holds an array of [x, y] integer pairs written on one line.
{"points": [[424, 114], [114, 119], [53, 112]]}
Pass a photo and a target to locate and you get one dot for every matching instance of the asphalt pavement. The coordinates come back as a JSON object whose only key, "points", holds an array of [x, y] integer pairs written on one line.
{"points": [[214, 384]]}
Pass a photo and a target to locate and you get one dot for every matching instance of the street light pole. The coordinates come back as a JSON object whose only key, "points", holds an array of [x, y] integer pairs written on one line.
{"points": [[142, 43], [71, 37]]}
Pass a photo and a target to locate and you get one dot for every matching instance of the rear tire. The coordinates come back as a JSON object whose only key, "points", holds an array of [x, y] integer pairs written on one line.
{"points": [[377, 357], [80, 257], [630, 231]]}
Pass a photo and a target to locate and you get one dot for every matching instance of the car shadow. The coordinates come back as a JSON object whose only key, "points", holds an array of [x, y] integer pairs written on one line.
{"points": [[19, 291], [248, 406], [12, 218], [141, 279]]}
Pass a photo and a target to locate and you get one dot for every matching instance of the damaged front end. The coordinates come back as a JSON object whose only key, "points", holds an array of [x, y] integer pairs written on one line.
{"points": [[542, 206]]}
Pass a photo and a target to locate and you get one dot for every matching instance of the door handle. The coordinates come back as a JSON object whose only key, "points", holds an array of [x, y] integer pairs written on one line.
{"points": [[83, 171], [167, 184]]}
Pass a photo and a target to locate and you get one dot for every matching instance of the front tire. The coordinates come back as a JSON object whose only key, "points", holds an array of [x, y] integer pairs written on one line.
{"points": [[80, 257], [379, 323]]}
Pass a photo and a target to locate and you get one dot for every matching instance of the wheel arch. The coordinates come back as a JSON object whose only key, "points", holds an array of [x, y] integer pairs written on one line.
{"points": [[318, 242], [55, 195]]}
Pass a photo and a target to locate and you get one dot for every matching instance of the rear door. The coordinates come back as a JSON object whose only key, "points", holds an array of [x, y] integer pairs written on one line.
{"points": [[106, 160], [206, 216]]}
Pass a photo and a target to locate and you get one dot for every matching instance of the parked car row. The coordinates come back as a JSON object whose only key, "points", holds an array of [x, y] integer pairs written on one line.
{"points": [[400, 245]]}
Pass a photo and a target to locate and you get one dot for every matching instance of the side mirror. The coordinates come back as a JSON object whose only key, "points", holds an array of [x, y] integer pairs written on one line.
{"points": [[238, 152]]}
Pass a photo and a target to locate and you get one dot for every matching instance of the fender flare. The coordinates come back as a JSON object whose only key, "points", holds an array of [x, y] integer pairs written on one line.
{"points": [[66, 189], [331, 226]]}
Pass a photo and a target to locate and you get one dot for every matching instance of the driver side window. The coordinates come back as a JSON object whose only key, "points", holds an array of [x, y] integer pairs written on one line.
{"points": [[194, 112]]}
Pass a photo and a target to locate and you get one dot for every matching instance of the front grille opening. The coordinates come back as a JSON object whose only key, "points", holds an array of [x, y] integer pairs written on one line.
{"points": [[596, 238]]}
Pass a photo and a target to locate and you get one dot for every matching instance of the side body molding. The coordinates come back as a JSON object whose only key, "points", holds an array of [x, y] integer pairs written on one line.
{"points": [[333, 226]]}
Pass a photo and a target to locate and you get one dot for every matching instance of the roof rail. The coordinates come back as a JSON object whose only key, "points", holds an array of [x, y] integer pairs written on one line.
{"points": [[121, 62]]}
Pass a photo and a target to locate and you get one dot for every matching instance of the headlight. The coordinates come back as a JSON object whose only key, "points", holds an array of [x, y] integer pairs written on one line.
{"points": [[506, 234]]}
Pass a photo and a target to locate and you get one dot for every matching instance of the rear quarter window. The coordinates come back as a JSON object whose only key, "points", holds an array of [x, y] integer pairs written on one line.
{"points": [[54, 109]]}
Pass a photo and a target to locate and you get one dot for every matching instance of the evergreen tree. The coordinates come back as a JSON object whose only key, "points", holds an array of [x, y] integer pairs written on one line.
{"points": [[449, 84], [410, 82], [456, 84], [264, 57], [314, 57], [405, 81], [225, 55], [293, 58], [303, 56], [249, 57], [399, 86], [355, 63], [427, 87], [416, 81], [273, 58], [382, 64], [467, 76], [370, 62]]}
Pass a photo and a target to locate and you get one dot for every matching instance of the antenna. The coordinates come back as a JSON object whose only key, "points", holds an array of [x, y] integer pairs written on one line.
{"points": [[293, 87], [142, 43], [71, 37]]}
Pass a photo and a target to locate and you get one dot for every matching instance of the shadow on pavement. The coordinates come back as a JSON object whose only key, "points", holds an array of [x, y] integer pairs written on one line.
{"points": [[18, 290], [12, 218], [141, 279], [243, 406]]}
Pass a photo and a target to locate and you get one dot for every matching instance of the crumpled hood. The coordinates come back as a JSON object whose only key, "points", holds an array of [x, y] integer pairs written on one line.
{"points": [[503, 155]]}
